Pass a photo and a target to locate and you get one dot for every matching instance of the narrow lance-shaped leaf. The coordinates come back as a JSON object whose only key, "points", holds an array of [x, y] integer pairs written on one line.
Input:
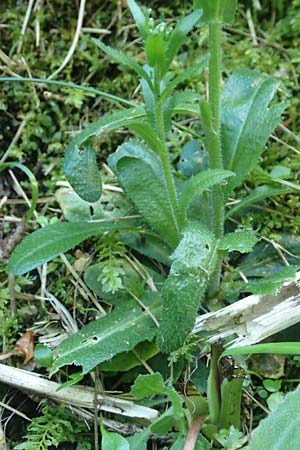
{"points": [[80, 166], [247, 121], [109, 122], [257, 195], [117, 332], [83, 173], [177, 38], [280, 430], [123, 59], [240, 241], [193, 262], [141, 174], [138, 17], [195, 186], [48, 242], [187, 74]]}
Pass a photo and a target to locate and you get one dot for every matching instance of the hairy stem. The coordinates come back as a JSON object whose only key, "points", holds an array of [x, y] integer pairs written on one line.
{"points": [[164, 156], [214, 141]]}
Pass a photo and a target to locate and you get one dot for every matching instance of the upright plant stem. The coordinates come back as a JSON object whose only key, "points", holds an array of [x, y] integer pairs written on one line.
{"points": [[214, 141], [165, 158]]}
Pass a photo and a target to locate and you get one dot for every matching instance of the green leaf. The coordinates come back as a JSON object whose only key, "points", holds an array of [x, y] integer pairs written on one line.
{"points": [[109, 122], [247, 121], [138, 17], [178, 36], [193, 262], [43, 355], [269, 285], [183, 102], [153, 384], [217, 10], [48, 242], [75, 209], [195, 186], [240, 241], [148, 385], [113, 441], [83, 174], [149, 102], [126, 361], [117, 332], [150, 246], [280, 430], [195, 69], [91, 278], [277, 348], [123, 59], [193, 159], [257, 195], [155, 50], [148, 190], [139, 440]]}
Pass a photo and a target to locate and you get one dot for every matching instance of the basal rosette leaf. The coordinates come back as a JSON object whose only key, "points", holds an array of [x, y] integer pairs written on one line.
{"points": [[83, 173], [197, 184], [247, 121], [280, 430], [117, 332], [48, 242], [193, 261], [140, 172]]}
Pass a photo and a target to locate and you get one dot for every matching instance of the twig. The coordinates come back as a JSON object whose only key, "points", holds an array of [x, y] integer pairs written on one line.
{"points": [[25, 23], [275, 138], [289, 132], [15, 411], [251, 27], [95, 30], [74, 43], [75, 395], [2, 438], [14, 140], [82, 284]]}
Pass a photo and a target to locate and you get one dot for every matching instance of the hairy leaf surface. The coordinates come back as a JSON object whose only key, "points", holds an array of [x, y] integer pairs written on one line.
{"points": [[153, 384], [240, 241], [193, 262], [177, 38], [195, 186], [138, 17], [48, 242], [247, 121], [141, 174], [109, 122], [117, 332], [257, 195], [83, 173], [123, 59], [281, 429]]}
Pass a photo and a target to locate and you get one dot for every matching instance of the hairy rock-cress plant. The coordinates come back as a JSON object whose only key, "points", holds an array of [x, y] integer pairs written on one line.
{"points": [[181, 222]]}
